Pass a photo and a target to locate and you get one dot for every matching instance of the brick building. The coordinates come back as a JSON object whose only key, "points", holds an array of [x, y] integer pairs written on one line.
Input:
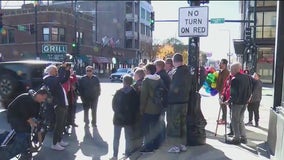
{"points": [[54, 31]]}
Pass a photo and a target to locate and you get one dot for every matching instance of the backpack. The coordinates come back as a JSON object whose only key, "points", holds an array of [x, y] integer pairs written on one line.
{"points": [[160, 95], [122, 107]]}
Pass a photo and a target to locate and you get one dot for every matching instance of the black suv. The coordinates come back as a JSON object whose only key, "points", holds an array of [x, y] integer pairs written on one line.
{"points": [[17, 77]]}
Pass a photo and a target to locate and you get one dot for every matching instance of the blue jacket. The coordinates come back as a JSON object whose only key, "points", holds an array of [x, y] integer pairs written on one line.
{"points": [[54, 84]]}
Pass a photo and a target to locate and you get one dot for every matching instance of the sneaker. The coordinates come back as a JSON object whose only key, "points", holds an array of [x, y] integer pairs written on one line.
{"points": [[182, 148], [113, 158], [249, 123], [174, 149], [146, 150], [57, 147], [63, 144], [244, 140], [230, 134], [234, 141], [221, 121]]}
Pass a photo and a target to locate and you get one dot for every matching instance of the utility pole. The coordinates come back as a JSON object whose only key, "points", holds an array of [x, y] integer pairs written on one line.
{"points": [[36, 31]]}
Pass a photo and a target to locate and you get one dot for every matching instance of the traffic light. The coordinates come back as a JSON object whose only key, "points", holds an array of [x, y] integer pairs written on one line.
{"points": [[152, 21], [32, 28], [1, 21], [73, 45], [248, 33]]}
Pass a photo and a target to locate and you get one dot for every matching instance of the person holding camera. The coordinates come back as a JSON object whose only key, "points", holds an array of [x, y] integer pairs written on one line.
{"points": [[21, 115], [54, 80]]}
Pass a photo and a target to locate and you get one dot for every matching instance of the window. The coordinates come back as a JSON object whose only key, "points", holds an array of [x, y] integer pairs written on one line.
{"points": [[148, 16], [270, 3], [54, 34], [143, 13], [61, 35], [79, 36], [9, 36], [46, 36], [143, 29], [266, 25]]}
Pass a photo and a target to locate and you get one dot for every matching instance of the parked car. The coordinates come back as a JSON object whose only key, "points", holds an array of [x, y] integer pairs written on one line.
{"points": [[118, 75], [17, 77]]}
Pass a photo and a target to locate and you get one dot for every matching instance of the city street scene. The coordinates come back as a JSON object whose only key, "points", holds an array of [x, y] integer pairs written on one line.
{"points": [[141, 80]]}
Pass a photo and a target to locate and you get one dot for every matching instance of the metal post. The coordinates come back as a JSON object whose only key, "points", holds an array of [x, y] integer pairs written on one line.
{"points": [[279, 59], [36, 32], [96, 20], [196, 134]]}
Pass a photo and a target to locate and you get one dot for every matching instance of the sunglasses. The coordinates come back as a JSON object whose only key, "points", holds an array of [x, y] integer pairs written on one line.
{"points": [[89, 70]]}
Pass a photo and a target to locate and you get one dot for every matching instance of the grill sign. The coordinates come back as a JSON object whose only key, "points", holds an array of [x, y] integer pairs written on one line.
{"points": [[46, 48]]}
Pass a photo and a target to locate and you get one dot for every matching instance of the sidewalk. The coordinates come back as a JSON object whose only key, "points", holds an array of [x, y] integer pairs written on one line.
{"points": [[215, 147]]}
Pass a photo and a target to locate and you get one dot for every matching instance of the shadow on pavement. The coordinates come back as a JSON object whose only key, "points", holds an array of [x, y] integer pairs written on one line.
{"points": [[93, 146], [254, 139], [69, 153]]}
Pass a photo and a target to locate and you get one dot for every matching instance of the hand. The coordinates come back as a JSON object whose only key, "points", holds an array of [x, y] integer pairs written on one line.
{"points": [[32, 122]]}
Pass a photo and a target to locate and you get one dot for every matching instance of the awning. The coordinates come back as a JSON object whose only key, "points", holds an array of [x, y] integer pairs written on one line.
{"points": [[101, 60]]}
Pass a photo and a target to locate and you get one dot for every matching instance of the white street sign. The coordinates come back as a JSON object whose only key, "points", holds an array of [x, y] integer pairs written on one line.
{"points": [[193, 21]]}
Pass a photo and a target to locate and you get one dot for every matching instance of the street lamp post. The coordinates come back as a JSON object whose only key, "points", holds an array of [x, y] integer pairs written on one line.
{"points": [[36, 31], [229, 54]]}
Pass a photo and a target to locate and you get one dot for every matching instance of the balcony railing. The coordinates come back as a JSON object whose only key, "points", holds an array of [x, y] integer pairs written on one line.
{"points": [[131, 35], [131, 17]]}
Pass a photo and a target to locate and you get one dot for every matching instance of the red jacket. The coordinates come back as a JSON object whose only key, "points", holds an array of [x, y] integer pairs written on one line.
{"points": [[227, 88]]}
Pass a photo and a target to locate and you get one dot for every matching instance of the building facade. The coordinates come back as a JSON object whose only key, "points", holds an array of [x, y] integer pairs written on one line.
{"points": [[121, 25], [50, 38], [262, 17]]}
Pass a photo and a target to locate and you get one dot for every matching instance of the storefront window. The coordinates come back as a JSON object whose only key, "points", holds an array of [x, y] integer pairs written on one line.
{"points": [[265, 63]]}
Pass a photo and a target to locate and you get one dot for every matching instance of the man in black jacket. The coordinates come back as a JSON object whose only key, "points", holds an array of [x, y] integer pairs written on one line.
{"points": [[54, 80], [125, 105], [178, 97], [21, 113], [241, 91], [90, 90]]}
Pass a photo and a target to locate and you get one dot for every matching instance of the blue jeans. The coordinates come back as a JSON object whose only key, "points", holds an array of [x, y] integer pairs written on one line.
{"points": [[128, 132], [20, 145]]}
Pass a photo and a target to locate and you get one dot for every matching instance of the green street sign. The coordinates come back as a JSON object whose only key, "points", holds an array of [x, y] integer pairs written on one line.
{"points": [[217, 20], [21, 28]]}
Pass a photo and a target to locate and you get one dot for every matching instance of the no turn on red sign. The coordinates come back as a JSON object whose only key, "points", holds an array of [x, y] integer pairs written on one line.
{"points": [[193, 21]]}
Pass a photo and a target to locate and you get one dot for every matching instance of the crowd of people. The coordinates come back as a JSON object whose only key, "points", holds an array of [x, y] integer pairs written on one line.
{"points": [[144, 124]]}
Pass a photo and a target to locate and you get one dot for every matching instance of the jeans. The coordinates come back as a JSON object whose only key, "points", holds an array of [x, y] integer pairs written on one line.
{"points": [[128, 132], [238, 120], [60, 121], [151, 131], [87, 105], [20, 145], [176, 123], [253, 108]]}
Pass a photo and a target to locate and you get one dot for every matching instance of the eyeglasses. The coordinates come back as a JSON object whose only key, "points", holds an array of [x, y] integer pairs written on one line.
{"points": [[89, 70]]}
